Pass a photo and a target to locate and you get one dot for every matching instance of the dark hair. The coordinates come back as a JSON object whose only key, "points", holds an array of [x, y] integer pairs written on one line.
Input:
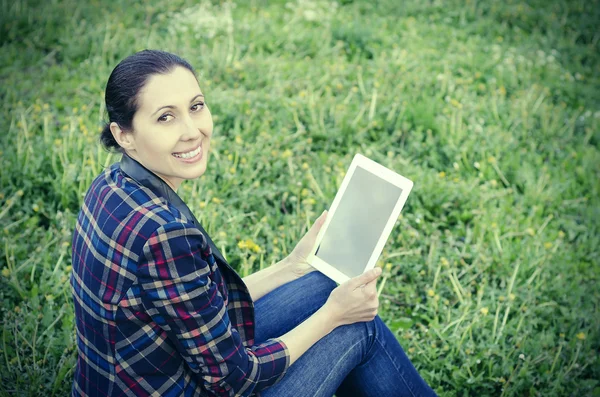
{"points": [[126, 81]]}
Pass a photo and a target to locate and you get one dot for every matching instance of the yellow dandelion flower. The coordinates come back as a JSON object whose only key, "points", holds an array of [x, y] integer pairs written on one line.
{"points": [[242, 244], [232, 170], [83, 108], [511, 297], [310, 201], [530, 231], [484, 311], [561, 234], [442, 174], [388, 267], [275, 240], [217, 200], [304, 166], [222, 234], [75, 110], [202, 204], [274, 153], [35, 208], [444, 261], [256, 184], [547, 245], [580, 336], [68, 269], [411, 350], [286, 154], [20, 193], [501, 298], [430, 292], [17, 309], [238, 139], [243, 160], [455, 103], [562, 334], [491, 159], [5, 272], [230, 157], [305, 192]]}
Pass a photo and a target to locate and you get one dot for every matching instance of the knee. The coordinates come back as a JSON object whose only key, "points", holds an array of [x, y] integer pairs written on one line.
{"points": [[319, 283]]}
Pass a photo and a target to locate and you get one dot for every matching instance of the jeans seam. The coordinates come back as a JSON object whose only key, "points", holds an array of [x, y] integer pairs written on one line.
{"points": [[329, 375], [397, 369]]}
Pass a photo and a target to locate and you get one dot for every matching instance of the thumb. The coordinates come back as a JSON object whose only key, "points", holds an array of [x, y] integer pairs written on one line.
{"points": [[366, 277], [319, 222]]}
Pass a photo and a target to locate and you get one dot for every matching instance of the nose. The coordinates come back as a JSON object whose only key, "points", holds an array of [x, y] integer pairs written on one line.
{"points": [[192, 130]]}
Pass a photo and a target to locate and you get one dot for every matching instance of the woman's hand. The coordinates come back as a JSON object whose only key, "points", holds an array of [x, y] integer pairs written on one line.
{"points": [[355, 300], [298, 258]]}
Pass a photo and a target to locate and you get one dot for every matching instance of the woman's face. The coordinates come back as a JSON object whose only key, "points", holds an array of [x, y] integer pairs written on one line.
{"points": [[172, 127]]}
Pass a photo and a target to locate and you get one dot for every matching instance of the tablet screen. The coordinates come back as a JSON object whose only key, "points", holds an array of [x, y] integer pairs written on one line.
{"points": [[358, 222]]}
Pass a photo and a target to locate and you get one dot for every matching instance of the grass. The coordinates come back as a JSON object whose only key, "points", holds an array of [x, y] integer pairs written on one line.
{"points": [[491, 108]]}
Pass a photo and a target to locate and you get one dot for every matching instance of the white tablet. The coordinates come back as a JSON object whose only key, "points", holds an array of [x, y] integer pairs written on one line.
{"points": [[360, 220]]}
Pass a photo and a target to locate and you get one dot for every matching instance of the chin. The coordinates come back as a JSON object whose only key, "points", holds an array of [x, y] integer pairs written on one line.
{"points": [[195, 172]]}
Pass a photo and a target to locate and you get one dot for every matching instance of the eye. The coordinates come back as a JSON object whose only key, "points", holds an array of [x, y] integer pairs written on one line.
{"points": [[197, 107], [165, 118]]}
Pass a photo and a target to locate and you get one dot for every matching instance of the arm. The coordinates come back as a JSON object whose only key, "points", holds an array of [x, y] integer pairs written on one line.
{"points": [[179, 294], [292, 267], [266, 280]]}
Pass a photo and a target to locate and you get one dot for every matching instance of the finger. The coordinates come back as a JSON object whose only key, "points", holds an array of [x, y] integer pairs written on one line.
{"points": [[373, 283], [314, 229], [322, 218], [366, 277]]}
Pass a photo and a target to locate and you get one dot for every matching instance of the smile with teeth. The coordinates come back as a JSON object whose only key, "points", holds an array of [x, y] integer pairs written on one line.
{"points": [[188, 155]]}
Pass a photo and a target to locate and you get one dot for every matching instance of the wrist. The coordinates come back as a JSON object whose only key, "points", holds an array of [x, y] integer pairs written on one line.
{"points": [[329, 316], [283, 270]]}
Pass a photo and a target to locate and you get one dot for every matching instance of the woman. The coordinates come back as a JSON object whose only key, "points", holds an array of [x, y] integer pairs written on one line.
{"points": [[158, 309]]}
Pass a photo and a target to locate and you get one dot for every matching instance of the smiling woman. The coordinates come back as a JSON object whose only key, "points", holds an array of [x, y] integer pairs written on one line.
{"points": [[159, 311], [171, 126]]}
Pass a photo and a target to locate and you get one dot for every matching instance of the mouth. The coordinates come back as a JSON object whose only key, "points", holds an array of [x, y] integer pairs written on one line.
{"points": [[189, 156]]}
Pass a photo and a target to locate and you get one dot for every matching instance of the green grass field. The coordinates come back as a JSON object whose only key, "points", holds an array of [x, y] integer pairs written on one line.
{"points": [[491, 108]]}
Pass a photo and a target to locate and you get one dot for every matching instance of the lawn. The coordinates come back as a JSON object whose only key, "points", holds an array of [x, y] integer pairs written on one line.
{"points": [[491, 108]]}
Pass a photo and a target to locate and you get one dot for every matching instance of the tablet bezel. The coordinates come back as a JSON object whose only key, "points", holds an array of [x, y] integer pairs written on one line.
{"points": [[381, 171]]}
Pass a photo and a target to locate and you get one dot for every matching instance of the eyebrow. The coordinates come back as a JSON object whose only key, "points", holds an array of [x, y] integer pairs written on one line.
{"points": [[172, 106]]}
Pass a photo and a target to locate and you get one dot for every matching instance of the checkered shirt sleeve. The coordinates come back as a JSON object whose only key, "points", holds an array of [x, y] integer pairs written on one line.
{"points": [[178, 291]]}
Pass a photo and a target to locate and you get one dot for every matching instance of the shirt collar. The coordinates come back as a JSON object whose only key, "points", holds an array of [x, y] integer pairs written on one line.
{"points": [[160, 188]]}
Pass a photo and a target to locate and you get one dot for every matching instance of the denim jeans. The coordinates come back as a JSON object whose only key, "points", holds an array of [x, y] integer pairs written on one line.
{"points": [[360, 359]]}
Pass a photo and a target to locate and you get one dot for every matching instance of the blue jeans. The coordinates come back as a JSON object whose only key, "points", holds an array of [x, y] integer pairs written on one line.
{"points": [[360, 359]]}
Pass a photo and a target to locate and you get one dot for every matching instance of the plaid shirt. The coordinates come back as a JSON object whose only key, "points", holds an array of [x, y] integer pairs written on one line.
{"points": [[158, 310]]}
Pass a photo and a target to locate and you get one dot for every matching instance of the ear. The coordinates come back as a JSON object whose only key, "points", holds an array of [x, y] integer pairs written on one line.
{"points": [[124, 138]]}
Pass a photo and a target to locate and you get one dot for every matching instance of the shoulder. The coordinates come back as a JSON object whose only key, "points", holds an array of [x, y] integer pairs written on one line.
{"points": [[124, 210]]}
